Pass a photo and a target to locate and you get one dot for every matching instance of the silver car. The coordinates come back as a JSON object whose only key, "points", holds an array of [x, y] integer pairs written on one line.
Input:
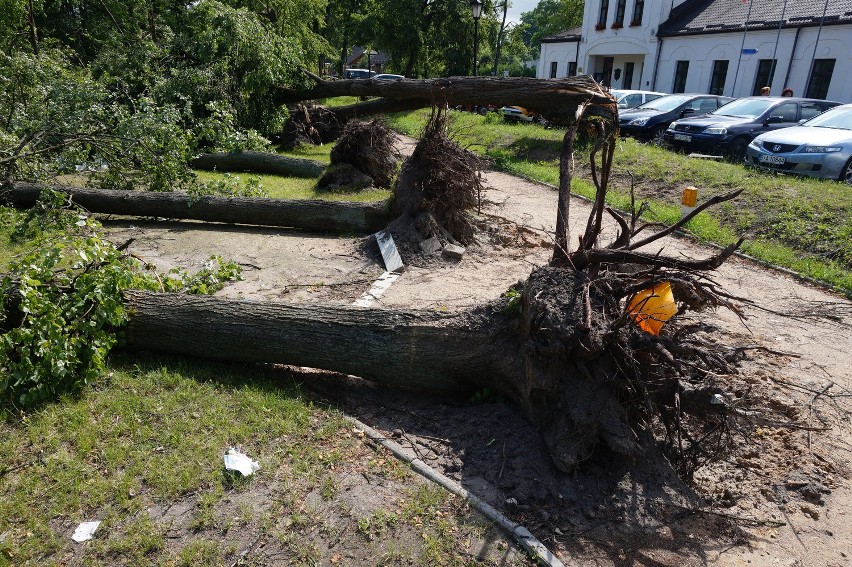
{"points": [[819, 147], [632, 99]]}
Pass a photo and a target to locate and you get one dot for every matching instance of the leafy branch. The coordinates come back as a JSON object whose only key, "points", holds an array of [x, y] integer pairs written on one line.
{"points": [[61, 305]]}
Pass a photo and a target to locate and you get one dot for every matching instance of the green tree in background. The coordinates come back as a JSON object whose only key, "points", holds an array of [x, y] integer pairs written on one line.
{"points": [[550, 17]]}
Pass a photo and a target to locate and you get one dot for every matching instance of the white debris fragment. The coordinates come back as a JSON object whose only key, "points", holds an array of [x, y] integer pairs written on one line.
{"points": [[85, 531], [240, 462]]}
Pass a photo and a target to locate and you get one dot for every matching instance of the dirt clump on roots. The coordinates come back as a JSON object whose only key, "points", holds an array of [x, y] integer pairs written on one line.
{"points": [[438, 187], [344, 177], [310, 123], [369, 147]]}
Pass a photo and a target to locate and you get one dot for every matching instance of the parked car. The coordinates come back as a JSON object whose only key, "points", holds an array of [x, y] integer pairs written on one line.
{"points": [[357, 74], [632, 99], [819, 147], [650, 120], [520, 114], [728, 130], [388, 77]]}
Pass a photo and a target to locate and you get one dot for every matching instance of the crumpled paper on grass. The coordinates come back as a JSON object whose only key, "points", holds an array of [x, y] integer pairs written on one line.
{"points": [[85, 531], [235, 460]]}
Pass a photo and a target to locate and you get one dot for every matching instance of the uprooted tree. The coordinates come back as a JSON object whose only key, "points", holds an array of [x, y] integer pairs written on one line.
{"points": [[562, 345]]}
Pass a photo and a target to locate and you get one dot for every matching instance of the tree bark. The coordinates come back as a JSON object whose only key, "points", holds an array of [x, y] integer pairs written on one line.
{"points": [[555, 99], [422, 350], [32, 27], [500, 34], [312, 215], [571, 400], [258, 162]]}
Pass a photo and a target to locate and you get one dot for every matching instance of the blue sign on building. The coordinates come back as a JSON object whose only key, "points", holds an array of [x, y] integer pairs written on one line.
{"points": [[749, 51]]}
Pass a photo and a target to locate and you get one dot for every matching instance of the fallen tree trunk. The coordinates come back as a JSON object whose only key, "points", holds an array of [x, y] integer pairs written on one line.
{"points": [[258, 162], [421, 350], [312, 215], [569, 396], [555, 99]]}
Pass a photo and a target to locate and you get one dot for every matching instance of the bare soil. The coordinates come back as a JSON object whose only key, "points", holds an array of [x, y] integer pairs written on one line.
{"points": [[779, 495]]}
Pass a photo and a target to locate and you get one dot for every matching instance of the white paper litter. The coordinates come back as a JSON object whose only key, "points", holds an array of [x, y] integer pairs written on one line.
{"points": [[717, 400], [85, 531], [240, 462]]}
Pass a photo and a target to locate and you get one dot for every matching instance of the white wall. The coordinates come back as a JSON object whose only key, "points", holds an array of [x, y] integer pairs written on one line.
{"points": [[640, 44], [835, 43], [561, 53]]}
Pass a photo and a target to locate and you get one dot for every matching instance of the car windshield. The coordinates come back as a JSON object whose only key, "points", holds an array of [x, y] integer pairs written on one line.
{"points": [[617, 94], [664, 103], [745, 108], [838, 117]]}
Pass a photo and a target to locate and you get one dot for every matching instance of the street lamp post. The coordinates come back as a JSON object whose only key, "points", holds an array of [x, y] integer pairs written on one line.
{"points": [[476, 9]]}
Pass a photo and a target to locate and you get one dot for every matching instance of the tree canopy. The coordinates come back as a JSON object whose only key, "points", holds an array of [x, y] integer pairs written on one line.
{"points": [[144, 86]]}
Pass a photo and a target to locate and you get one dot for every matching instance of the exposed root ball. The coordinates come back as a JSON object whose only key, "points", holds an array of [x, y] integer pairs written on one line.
{"points": [[370, 147], [310, 123], [600, 381], [439, 184]]}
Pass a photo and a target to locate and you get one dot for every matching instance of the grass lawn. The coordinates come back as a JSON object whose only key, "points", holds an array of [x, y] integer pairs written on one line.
{"points": [[280, 187], [141, 450], [798, 223]]}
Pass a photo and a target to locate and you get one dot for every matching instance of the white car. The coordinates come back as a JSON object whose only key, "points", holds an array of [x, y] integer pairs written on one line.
{"points": [[632, 99], [521, 114]]}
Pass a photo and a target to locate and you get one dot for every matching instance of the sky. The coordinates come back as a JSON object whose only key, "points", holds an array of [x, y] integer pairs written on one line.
{"points": [[520, 6]]}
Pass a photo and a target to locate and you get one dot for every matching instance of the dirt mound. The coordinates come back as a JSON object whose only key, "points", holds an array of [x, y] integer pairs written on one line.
{"points": [[369, 147], [344, 177], [439, 184]]}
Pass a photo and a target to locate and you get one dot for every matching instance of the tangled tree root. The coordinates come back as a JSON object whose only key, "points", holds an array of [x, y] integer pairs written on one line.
{"points": [[439, 184], [368, 148], [310, 123]]}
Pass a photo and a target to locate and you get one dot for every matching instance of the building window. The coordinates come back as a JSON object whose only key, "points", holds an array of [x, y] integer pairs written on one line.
{"points": [[628, 75], [620, 8], [553, 66], [572, 68], [820, 78], [603, 13], [681, 69], [638, 9], [717, 79], [765, 71]]}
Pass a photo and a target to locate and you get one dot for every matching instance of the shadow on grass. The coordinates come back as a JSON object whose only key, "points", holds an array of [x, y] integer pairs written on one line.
{"points": [[628, 513], [535, 149]]}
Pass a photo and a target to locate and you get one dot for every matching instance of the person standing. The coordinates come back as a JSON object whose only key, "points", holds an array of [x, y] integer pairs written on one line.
{"points": [[764, 91], [787, 92]]}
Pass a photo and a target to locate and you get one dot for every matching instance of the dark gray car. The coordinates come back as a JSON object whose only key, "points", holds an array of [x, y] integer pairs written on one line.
{"points": [[728, 130], [650, 120]]}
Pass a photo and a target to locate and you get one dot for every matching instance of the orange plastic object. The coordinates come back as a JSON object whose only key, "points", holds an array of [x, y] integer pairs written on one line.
{"points": [[689, 197], [652, 307]]}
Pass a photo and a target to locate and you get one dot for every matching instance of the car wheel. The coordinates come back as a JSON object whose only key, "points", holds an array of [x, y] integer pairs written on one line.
{"points": [[657, 136], [737, 150], [846, 175]]}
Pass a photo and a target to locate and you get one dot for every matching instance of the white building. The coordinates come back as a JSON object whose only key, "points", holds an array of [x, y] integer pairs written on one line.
{"points": [[730, 47]]}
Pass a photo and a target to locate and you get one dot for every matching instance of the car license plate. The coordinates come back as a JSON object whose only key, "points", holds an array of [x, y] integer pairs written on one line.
{"points": [[683, 138], [774, 160]]}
